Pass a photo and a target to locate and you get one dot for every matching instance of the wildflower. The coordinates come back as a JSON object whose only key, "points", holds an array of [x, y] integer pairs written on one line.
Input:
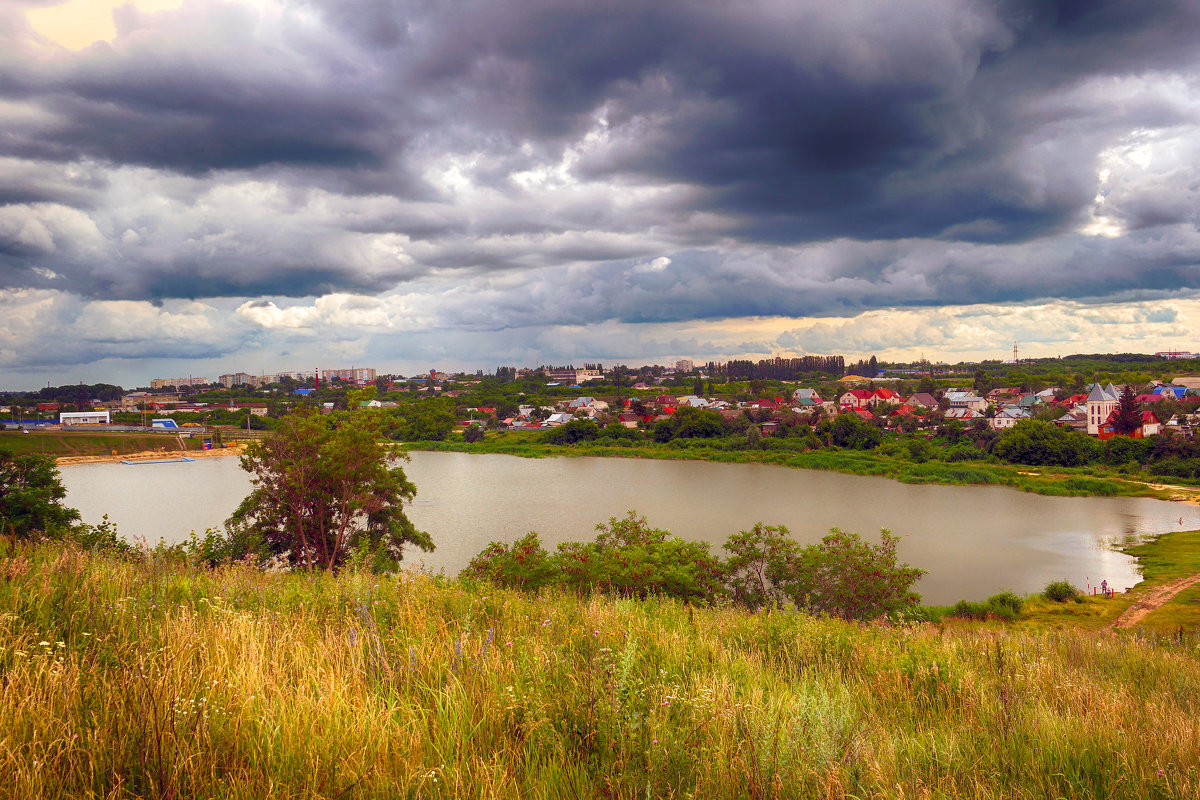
{"points": [[43, 644], [654, 741]]}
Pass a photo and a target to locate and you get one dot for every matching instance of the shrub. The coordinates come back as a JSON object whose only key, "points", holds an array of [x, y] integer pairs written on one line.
{"points": [[1005, 606], [1091, 486], [962, 452], [31, 495], [102, 537], [847, 577], [523, 565], [631, 559], [1060, 591], [217, 547], [965, 609], [1009, 600], [577, 430]]}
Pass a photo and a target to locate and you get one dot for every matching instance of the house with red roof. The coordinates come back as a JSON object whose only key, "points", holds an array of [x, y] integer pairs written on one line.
{"points": [[856, 398], [1150, 426], [885, 395]]}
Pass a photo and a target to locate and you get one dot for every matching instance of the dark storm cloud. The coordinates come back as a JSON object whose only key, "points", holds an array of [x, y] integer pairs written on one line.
{"points": [[871, 120], [887, 135], [223, 100]]}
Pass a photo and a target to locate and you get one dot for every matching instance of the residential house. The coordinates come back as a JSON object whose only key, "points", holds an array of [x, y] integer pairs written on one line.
{"points": [[1150, 426], [1076, 420], [885, 396], [962, 413], [1003, 395], [967, 400], [804, 393], [1007, 417], [856, 398], [923, 400]]}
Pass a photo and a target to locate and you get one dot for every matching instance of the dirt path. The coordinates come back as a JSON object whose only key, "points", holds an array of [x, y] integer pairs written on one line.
{"points": [[1180, 494], [1154, 599]]}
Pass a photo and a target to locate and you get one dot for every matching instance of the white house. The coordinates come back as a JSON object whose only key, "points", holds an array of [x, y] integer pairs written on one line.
{"points": [[968, 400], [1007, 417]]}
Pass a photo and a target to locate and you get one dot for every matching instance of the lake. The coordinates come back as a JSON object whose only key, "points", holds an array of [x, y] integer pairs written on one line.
{"points": [[973, 540]]}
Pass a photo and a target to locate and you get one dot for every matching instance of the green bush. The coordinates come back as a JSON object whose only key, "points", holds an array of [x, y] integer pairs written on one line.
{"points": [[1008, 600], [102, 537], [965, 609], [1060, 591], [1097, 486], [1006, 606]]}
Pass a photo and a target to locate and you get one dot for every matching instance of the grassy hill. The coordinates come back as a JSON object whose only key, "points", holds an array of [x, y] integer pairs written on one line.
{"points": [[156, 679]]}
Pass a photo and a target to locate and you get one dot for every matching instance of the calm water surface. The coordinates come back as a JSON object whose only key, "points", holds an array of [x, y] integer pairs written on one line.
{"points": [[974, 541]]}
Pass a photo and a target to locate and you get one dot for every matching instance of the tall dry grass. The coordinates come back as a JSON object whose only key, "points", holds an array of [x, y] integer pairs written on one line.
{"points": [[154, 679]]}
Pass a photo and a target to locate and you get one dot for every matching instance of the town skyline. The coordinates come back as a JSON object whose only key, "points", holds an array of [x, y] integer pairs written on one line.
{"points": [[583, 370]]}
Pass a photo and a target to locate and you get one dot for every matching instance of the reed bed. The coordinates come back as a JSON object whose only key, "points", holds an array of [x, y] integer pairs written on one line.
{"points": [[151, 678]]}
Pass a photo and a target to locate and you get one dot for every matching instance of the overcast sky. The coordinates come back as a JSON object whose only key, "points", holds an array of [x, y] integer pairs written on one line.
{"points": [[254, 185]]}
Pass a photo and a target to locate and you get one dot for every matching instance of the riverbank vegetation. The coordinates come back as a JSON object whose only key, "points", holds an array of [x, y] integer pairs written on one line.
{"points": [[933, 464], [152, 677]]}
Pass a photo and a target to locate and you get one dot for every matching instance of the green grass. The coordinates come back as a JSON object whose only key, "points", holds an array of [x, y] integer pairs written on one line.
{"points": [[154, 679], [1168, 557], [57, 443]]}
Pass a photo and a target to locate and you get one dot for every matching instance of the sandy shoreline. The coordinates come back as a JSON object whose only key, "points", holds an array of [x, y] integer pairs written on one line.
{"points": [[150, 455]]}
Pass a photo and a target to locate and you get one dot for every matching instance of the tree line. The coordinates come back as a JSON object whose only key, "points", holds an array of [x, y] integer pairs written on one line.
{"points": [[843, 575], [781, 369]]}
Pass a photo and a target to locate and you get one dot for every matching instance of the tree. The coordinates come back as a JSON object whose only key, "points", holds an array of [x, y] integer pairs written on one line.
{"points": [[1040, 443], [697, 423], [426, 420], [577, 430], [31, 495], [760, 565], [473, 434], [524, 565], [847, 577], [631, 559], [325, 486], [1127, 417], [843, 575], [851, 432]]}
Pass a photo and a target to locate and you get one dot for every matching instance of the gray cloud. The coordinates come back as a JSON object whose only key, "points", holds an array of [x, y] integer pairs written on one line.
{"points": [[522, 163]]}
